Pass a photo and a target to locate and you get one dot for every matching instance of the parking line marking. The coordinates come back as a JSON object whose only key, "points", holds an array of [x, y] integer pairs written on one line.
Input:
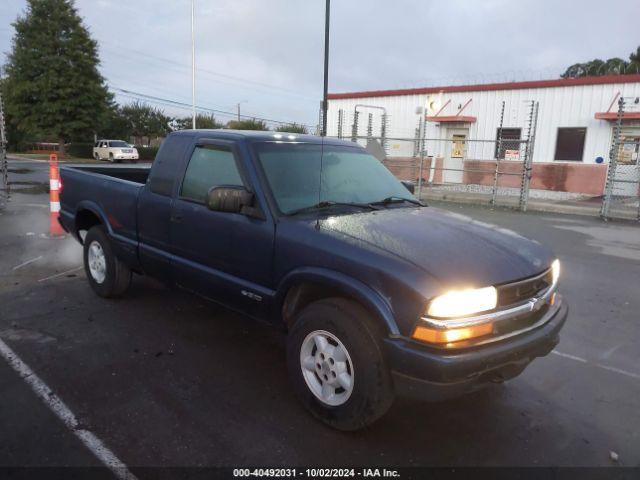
{"points": [[26, 263], [619, 370], [599, 365], [58, 407], [572, 357], [59, 274]]}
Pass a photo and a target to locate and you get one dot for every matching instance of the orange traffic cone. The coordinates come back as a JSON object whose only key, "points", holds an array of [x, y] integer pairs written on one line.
{"points": [[55, 186]]}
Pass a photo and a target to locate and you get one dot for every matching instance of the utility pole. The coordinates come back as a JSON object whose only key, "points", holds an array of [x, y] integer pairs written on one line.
{"points": [[325, 104], [193, 64], [238, 106]]}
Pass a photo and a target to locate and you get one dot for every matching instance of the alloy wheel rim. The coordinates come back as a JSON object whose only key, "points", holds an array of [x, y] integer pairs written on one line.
{"points": [[97, 262], [327, 368]]}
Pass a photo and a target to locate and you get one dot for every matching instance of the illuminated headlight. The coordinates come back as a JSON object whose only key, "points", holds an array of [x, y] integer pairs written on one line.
{"points": [[460, 303], [555, 270]]}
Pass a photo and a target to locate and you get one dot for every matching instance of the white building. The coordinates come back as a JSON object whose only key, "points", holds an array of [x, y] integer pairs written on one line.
{"points": [[573, 135]]}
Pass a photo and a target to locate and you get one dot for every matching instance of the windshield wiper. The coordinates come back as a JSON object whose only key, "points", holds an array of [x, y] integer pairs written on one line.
{"points": [[330, 203], [395, 199]]}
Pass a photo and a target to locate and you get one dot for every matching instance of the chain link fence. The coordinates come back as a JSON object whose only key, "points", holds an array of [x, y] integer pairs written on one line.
{"points": [[4, 165], [622, 189], [456, 167]]}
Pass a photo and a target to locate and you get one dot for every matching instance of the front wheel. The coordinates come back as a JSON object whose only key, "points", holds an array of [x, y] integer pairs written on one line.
{"points": [[336, 364], [106, 273]]}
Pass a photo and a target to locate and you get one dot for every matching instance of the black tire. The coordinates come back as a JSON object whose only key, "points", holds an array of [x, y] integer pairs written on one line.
{"points": [[96, 156], [117, 276], [373, 392]]}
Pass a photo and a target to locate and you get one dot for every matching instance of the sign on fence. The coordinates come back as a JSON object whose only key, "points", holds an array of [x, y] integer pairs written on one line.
{"points": [[512, 154]]}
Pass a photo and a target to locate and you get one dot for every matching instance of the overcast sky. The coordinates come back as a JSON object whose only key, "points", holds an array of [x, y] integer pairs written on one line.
{"points": [[268, 53]]}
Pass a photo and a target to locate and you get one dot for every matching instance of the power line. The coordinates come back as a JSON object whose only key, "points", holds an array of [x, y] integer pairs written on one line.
{"points": [[173, 63], [175, 103]]}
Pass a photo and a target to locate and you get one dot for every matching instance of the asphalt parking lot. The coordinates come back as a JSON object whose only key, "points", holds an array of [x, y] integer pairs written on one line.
{"points": [[166, 379]]}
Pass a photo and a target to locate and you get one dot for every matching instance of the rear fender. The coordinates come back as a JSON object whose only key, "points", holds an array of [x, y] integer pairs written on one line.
{"points": [[94, 208]]}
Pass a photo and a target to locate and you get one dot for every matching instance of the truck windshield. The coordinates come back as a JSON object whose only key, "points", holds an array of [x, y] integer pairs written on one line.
{"points": [[349, 176], [119, 144]]}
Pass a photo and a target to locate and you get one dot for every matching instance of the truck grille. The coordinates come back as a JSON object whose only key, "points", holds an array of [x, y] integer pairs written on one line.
{"points": [[522, 291]]}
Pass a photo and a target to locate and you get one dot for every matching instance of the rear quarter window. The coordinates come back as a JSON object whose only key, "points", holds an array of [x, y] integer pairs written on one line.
{"points": [[167, 164]]}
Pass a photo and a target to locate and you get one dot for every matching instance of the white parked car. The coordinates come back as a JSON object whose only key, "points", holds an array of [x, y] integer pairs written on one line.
{"points": [[114, 151]]}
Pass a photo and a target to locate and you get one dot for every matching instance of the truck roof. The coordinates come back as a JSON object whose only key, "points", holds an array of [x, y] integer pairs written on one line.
{"points": [[260, 136]]}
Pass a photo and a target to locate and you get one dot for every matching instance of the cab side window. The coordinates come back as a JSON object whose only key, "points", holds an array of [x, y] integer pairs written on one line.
{"points": [[208, 167]]}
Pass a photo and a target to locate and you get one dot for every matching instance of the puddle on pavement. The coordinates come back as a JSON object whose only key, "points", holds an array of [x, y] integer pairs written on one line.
{"points": [[32, 188], [21, 170]]}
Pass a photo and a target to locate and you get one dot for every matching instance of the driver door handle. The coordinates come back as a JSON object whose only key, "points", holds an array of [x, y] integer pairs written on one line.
{"points": [[176, 217]]}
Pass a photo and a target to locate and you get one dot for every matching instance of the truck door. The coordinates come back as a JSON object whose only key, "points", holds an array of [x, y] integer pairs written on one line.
{"points": [[223, 256]]}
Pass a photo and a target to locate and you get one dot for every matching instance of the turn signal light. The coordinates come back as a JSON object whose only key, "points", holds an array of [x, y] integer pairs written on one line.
{"points": [[431, 335]]}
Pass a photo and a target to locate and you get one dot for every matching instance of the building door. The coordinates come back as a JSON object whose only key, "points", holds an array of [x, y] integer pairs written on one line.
{"points": [[627, 174], [455, 154]]}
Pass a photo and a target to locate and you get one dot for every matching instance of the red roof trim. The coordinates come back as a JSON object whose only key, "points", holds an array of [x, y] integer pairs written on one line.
{"points": [[613, 116], [561, 82], [451, 118]]}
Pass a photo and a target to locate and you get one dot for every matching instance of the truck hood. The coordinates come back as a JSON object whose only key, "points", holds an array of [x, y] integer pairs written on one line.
{"points": [[453, 248]]}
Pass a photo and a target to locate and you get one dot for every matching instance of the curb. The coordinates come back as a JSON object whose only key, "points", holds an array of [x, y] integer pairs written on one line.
{"points": [[532, 206]]}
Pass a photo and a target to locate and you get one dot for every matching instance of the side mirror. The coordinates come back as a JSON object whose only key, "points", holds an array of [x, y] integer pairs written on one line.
{"points": [[409, 186], [231, 200]]}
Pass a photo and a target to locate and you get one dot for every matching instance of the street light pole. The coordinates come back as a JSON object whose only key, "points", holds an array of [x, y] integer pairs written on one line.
{"points": [[325, 104], [193, 64]]}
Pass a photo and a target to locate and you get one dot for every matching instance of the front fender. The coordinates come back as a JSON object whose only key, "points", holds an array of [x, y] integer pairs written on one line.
{"points": [[368, 297]]}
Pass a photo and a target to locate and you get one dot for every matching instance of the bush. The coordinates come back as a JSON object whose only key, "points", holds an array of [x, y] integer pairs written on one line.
{"points": [[147, 153], [292, 128], [80, 150], [251, 124]]}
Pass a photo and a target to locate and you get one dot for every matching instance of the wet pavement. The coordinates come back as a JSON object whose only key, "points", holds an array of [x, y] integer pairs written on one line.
{"points": [[164, 378]]}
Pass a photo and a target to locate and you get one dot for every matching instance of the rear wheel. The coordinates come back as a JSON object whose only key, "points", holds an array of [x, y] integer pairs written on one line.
{"points": [[97, 156], [106, 273], [336, 365]]}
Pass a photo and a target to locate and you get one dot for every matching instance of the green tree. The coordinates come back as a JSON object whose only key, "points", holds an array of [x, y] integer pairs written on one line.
{"points": [[292, 128], [202, 121], [53, 88], [115, 125], [145, 121], [251, 124], [634, 62], [612, 66]]}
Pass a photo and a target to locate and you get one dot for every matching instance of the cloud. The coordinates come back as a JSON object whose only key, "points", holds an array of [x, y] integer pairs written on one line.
{"points": [[276, 46]]}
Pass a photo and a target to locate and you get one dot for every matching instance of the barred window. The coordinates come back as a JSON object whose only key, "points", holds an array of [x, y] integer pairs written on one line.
{"points": [[510, 141]]}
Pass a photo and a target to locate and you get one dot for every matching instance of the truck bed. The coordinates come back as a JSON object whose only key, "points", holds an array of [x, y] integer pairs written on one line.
{"points": [[109, 192], [131, 173]]}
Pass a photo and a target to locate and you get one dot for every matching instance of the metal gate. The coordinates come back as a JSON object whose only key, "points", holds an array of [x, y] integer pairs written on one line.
{"points": [[622, 189]]}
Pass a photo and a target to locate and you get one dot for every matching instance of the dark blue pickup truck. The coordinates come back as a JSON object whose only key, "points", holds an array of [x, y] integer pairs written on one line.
{"points": [[378, 292]]}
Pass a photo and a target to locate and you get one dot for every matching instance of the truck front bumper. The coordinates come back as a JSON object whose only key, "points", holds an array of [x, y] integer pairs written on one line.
{"points": [[436, 373]]}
